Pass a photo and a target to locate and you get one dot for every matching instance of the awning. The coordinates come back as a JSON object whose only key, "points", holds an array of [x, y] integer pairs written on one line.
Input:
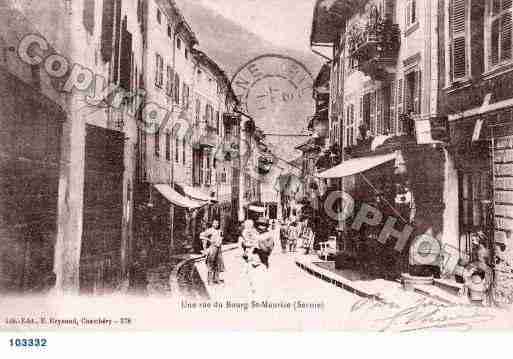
{"points": [[177, 199], [356, 165], [197, 194], [257, 209]]}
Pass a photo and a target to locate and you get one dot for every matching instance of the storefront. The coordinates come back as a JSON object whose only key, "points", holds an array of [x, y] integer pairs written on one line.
{"points": [[406, 184], [482, 141]]}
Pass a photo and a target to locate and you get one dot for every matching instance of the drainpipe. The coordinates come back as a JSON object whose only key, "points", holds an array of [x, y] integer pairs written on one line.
{"points": [[242, 141], [175, 32]]}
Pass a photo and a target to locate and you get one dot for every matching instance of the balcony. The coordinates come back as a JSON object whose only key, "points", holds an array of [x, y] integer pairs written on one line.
{"points": [[375, 47]]}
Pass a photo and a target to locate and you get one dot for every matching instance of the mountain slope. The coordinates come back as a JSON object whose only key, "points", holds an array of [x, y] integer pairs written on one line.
{"points": [[231, 46]]}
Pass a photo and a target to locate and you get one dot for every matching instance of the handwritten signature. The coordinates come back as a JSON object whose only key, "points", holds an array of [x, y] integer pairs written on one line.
{"points": [[424, 314]]}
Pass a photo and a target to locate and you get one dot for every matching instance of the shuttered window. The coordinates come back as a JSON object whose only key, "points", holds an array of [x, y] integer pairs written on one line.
{"points": [[177, 150], [373, 113], [159, 70], [459, 20], [89, 15], [183, 150], [177, 88], [400, 96], [169, 81], [393, 120], [107, 29], [350, 125], [168, 146], [379, 112], [417, 92], [156, 141], [410, 12], [500, 48]]}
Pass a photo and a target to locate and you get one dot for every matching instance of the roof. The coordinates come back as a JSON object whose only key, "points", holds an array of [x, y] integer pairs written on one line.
{"points": [[331, 15], [174, 11], [207, 61]]}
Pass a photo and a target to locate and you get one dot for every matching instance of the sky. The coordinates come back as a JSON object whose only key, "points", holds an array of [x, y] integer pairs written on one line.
{"points": [[283, 22]]}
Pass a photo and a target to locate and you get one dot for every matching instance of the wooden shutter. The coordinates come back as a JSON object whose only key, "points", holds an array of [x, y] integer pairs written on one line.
{"points": [[373, 112], [361, 109], [399, 110], [177, 88], [378, 113], [117, 40], [458, 35], [417, 92], [392, 117], [125, 73], [352, 128], [88, 15], [157, 65], [107, 29], [506, 34]]}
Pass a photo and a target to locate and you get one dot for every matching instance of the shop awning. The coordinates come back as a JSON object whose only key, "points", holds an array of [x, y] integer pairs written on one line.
{"points": [[196, 193], [257, 209], [177, 199], [356, 165]]}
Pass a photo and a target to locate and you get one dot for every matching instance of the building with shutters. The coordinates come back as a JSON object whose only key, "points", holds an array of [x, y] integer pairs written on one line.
{"points": [[476, 63], [164, 211], [74, 229], [384, 100], [184, 154]]}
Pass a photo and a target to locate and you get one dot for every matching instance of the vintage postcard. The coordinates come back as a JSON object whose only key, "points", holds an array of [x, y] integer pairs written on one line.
{"points": [[283, 165]]}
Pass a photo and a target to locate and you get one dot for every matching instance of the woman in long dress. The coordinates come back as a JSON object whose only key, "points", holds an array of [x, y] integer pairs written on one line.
{"points": [[212, 241]]}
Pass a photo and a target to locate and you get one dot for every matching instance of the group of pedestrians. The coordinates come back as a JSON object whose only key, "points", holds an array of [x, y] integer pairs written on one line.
{"points": [[257, 244], [296, 233]]}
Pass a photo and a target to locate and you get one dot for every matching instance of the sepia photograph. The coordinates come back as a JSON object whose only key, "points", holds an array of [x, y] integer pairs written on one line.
{"points": [[255, 165]]}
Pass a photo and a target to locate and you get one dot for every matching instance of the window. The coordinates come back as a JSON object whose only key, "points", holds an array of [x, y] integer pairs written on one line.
{"points": [[183, 150], [178, 43], [196, 167], [400, 97], [208, 170], [411, 13], [177, 150], [185, 96], [159, 70], [177, 88], [157, 143], [500, 34], [350, 123], [169, 81], [207, 114], [475, 191], [459, 13], [186, 53], [140, 10], [168, 146], [88, 16], [218, 123], [412, 88], [198, 110], [169, 32], [159, 16]]}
